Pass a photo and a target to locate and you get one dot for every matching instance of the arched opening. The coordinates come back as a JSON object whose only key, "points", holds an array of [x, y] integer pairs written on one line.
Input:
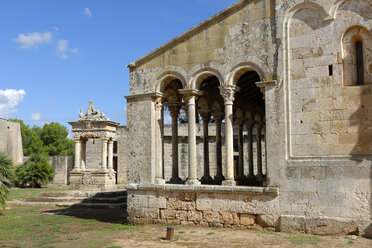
{"points": [[356, 51], [249, 131], [172, 105], [210, 110]]}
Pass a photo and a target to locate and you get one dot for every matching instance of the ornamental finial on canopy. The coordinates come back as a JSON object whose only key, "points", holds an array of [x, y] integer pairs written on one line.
{"points": [[92, 114]]}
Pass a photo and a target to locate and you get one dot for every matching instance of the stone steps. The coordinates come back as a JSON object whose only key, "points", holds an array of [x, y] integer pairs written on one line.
{"points": [[119, 199], [79, 199]]}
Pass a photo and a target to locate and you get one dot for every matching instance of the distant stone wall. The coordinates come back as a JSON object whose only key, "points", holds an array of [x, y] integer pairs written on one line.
{"points": [[121, 136], [183, 151], [11, 140], [62, 166]]}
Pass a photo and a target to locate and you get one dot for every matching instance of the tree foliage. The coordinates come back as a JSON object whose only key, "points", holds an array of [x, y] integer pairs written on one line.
{"points": [[6, 177], [51, 139], [35, 172]]}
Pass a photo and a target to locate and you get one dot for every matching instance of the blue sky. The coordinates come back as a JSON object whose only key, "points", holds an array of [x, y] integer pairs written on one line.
{"points": [[56, 55]]}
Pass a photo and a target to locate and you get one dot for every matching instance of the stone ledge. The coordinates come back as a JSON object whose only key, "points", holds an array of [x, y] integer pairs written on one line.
{"points": [[204, 189]]}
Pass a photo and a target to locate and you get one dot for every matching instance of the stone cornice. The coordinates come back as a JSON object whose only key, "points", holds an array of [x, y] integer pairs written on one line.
{"points": [[204, 188], [188, 34], [144, 95]]}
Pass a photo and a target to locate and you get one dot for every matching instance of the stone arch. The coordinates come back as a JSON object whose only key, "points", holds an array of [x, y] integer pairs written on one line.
{"points": [[336, 5], [349, 55], [167, 75], [198, 77], [237, 71]]}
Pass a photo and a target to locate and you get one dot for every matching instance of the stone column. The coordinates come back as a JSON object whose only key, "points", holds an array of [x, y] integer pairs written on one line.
{"points": [[158, 105], [174, 110], [83, 154], [241, 178], [206, 116], [218, 116], [189, 96], [104, 155], [227, 92], [251, 178], [77, 155], [110, 154], [259, 176]]}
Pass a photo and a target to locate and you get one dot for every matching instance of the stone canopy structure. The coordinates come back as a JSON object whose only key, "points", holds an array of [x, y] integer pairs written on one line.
{"points": [[290, 83], [93, 125]]}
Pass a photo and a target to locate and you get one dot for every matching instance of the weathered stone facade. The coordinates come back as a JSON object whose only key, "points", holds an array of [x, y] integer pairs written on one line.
{"points": [[11, 140], [312, 62]]}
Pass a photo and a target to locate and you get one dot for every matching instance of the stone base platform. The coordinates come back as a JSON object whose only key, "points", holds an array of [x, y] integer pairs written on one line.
{"points": [[205, 205], [229, 206], [90, 180]]}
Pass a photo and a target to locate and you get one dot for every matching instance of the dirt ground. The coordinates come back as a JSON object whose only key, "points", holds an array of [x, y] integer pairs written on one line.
{"points": [[24, 226], [153, 236]]}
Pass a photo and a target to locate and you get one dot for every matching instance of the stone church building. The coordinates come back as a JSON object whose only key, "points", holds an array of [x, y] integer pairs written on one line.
{"points": [[277, 98]]}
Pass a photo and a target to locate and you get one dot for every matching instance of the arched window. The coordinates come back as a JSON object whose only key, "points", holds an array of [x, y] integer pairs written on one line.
{"points": [[359, 62], [357, 47]]}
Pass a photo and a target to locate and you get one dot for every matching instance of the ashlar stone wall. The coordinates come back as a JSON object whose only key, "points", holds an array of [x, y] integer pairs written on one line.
{"points": [[11, 140]]}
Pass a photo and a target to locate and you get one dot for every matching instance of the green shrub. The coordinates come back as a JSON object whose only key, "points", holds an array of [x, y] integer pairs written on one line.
{"points": [[6, 177], [35, 172]]}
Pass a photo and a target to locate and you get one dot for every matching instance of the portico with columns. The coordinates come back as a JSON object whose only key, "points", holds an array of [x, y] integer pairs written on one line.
{"points": [[96, 126]]}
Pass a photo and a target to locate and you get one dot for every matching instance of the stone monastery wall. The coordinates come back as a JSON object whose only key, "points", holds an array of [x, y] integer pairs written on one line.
{"points": [[315, 61]]}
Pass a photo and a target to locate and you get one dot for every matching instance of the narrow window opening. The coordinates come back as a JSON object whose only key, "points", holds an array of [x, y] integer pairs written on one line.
{"points": [[330, 69], [359, 63]]}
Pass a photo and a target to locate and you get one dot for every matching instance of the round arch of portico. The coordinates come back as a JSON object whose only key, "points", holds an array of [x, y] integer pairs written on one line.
{"points": [[198, 77], [168, 74], [238, 70]]}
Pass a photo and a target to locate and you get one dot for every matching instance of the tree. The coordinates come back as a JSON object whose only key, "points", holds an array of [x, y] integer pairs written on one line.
{"points": [[35, 172], [31, 140], [6, 177], [51, 139], [56, 143]]}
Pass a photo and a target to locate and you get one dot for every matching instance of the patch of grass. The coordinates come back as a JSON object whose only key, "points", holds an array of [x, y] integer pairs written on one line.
{"points": [[210, 233], [73, 238], [181, 232], [114, 246], [192, 231], [86, 229], [350, 242], [21, 194], [305, 239]]}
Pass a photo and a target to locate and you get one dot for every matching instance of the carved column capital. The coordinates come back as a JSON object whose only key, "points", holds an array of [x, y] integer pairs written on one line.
{"points": [[158, 101], [228, 92], [189, 95], [174, 109]]}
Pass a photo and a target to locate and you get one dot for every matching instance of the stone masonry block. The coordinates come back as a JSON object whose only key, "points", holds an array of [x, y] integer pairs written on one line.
{"points": [[174, 203], [247, 219], [194, 216], [167, 214], [211, 216], [157, 202]]}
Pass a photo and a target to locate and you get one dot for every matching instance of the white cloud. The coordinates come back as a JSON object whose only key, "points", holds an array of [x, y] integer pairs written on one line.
{"points": [[87, 12], [55, 28], [33, 40], [36, 116], [62, 49], [9, 100]]}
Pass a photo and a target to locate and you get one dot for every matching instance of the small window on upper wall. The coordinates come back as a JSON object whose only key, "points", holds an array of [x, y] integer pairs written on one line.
{"points": [[357, 63]]}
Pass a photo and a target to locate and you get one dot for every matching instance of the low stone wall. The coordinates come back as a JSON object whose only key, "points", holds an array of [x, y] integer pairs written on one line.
{"points": [[62, 166], [209, 206]]}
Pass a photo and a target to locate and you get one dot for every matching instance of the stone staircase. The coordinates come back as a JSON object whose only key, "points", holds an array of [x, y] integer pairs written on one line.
{"points": [[79, 199]]}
